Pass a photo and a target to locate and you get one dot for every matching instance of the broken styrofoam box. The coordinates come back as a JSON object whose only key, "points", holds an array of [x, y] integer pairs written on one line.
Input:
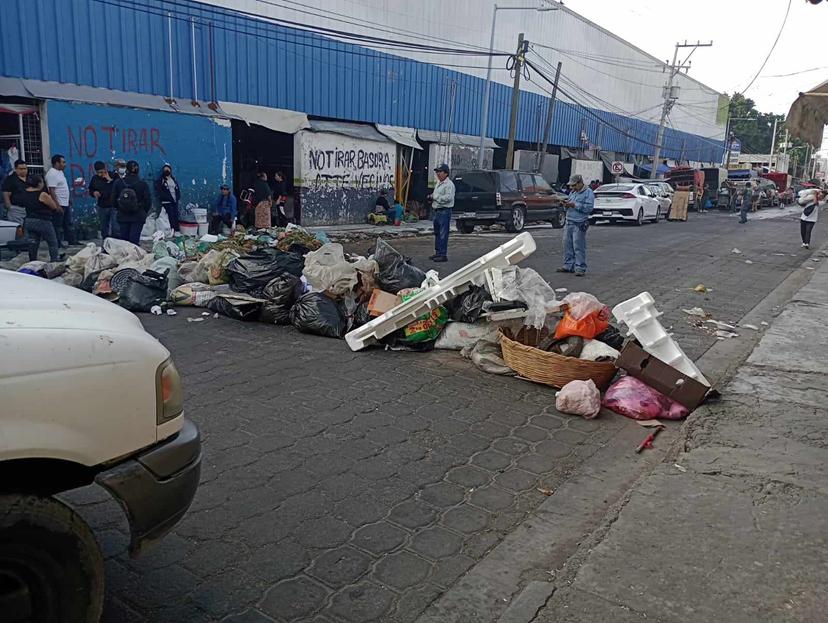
{"points": [[511, 252], [641, 318]]}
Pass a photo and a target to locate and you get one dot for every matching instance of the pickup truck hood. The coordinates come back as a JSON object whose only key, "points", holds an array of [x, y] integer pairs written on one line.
{"points": [[29, 302]]}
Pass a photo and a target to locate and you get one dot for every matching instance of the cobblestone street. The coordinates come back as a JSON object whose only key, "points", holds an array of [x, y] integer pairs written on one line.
{"points": [[347, 487]]}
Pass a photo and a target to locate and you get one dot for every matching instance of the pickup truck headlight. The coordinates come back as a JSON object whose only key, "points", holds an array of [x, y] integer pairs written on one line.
{"points": [[170, 397]]}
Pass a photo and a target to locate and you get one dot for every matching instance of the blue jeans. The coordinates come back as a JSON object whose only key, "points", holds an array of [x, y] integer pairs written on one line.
{"points": [[574, 237], [108, 223], [64, 227], [442, 220], [37, 230], [131, 231], [743, 212]]}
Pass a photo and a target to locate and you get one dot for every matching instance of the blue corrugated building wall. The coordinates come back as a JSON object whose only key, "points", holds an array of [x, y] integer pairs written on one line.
{"points": [[125, 45]]}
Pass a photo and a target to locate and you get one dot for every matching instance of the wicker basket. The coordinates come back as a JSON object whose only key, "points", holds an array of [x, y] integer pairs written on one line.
{"points": [[551, 368]]}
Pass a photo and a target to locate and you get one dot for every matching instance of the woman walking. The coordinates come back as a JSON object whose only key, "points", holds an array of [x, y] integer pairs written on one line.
{"points": [[810, 212]]}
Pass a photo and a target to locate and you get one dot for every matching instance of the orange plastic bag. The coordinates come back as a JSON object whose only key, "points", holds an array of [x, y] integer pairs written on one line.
{"points": [[587, 327]]}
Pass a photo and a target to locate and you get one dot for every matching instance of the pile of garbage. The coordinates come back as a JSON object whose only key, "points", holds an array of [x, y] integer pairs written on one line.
{"points": [[504, 318]]}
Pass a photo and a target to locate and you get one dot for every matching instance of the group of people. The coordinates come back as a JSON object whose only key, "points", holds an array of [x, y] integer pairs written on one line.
{"points": [[123, 201]]}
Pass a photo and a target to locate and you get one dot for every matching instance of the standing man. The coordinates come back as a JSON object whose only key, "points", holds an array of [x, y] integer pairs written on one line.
{"points": [[14, 183], [578, 209], [169, 194], [59, 190], [442, 202], [747, 193], [131, 198], [100, 187]]}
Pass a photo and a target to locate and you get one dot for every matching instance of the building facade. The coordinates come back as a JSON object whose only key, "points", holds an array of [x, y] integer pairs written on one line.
{"points": [[244, 69]]}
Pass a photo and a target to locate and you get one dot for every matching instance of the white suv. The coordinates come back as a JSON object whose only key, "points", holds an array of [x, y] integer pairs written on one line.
{"points": [[86, 396]]}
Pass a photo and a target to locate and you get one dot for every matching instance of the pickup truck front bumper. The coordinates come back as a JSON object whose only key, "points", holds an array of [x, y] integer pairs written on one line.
{"points": [[155, 488]]}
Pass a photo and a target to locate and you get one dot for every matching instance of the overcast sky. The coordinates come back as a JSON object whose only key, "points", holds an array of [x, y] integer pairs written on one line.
{"points": [[742, 32]]}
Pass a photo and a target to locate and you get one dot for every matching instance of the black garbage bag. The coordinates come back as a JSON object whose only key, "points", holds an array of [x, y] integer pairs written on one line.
{"points": [[317, 314], [251, 273], [283, 290], [468, 306], [397, 341], [144, 291], [274, 313], [361, 315], [395, 271], [236, 307], [611, 337], [88, 283]]}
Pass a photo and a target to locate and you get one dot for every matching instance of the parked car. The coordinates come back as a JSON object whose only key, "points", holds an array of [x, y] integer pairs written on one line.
{"points": [[509, 197], [626, 202], [664, 193], [88, 397]]}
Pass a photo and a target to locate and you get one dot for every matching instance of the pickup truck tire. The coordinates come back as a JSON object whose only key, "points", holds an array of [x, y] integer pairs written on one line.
{"points": [[51, 569], [464, 227], [558, 221], [516, 220]]}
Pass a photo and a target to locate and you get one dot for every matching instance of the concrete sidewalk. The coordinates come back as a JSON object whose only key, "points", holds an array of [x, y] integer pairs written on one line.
{"points": [[734, 526]]}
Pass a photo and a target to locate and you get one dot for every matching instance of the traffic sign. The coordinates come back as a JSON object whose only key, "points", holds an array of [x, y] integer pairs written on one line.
{"points": [[617, 167]]}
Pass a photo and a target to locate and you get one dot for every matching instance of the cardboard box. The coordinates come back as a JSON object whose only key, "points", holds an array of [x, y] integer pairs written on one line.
{"points": [[382, 302], [661, 376]]}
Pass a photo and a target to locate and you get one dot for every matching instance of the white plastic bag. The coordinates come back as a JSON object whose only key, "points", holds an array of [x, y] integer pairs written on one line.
{"points": [[123, 250], [77, 263], [162, 224], [487, 356], [582, 304], [459, 335], [595, 350], [149, 228], [526, 285], [579, 398], [327, 269], [97, 262]]}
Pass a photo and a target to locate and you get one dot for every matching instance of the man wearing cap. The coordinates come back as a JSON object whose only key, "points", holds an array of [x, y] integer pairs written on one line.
{"points": [[226, 211], [578, 209], [100, 188], [442, 201]]}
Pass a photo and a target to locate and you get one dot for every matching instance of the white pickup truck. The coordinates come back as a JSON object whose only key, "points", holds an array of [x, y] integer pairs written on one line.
{"points": [[86, 396]]}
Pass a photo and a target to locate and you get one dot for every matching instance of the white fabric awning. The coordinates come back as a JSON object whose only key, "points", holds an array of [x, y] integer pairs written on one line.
{"points": [[432, 136], [400, 135], [276, 119]]}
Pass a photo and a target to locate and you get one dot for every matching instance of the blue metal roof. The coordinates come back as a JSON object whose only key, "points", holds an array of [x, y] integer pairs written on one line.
{"points": [[106, 43]]}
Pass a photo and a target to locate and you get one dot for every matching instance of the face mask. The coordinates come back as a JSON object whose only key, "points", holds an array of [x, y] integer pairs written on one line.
{"points": [[122, 171]]}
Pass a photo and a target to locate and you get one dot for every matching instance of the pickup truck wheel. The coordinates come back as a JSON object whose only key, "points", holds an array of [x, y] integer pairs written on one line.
{"points": [[558, 221], [465, 227], [516, 220], [640, 218], [51, 569]]}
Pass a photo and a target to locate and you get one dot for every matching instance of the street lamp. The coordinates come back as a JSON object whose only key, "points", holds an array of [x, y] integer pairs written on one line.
{"points": [[484, 122]]}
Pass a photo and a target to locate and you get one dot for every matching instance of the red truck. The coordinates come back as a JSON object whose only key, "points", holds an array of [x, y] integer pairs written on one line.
{"points": [[783, 185]]}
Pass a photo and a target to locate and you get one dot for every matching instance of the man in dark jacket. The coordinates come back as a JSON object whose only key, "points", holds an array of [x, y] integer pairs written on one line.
{"points": [[169, 194], [131, 198], [100, 187]]}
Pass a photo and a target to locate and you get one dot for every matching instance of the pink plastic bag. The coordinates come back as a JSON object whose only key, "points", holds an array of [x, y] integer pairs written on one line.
{"points": [[579, 398], [637, 400]]}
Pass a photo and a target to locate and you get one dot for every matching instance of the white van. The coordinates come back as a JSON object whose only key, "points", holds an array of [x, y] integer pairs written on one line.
{"points": [[86, 396]]}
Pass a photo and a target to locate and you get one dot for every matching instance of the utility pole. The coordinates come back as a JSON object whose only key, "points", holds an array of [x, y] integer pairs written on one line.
{"points": [[670, 97], [549, 114], [522, 46], [773, 143]]}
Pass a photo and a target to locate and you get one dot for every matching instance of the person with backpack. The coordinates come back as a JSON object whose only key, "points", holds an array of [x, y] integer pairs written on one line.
{"points": [[131, 198], [169, 194]]}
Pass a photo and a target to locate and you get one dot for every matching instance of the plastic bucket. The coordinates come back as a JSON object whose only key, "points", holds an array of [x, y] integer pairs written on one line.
{"points": [[200, 215], [188, 229], [203, 228]]}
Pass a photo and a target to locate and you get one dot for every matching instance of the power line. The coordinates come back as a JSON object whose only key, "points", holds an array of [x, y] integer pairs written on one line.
{"points": [[773, 47]]}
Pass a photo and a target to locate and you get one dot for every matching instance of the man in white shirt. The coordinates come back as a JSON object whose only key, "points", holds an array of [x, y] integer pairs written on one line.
{"points": [[442, 202], [59, 190]]}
